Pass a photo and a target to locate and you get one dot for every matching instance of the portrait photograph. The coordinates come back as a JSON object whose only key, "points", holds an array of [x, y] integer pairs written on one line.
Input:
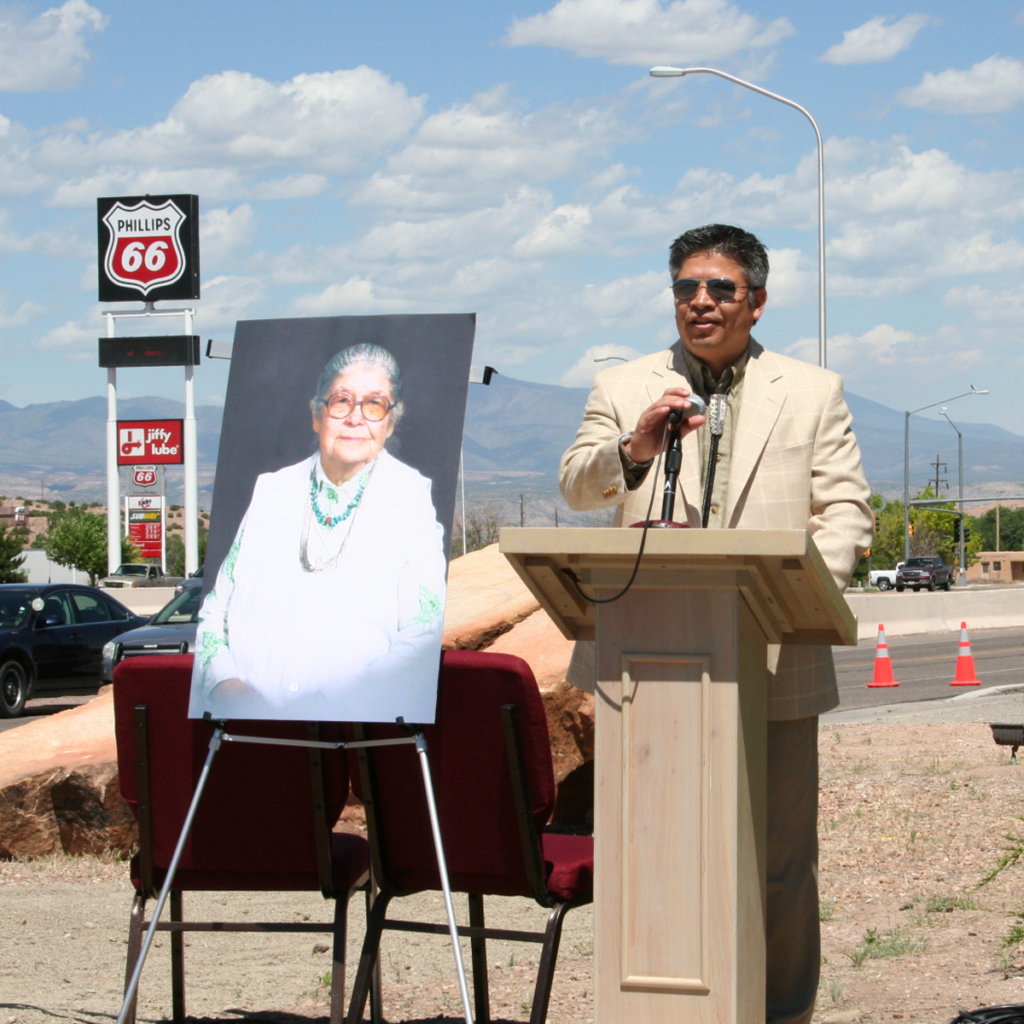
{"points": [[327, 559]]}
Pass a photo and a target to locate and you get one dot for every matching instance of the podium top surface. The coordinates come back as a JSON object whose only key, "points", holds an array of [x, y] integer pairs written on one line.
{"points": [[780, 573]]}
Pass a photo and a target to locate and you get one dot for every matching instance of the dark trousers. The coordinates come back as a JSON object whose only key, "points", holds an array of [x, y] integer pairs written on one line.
{"points": [[793, 936]]}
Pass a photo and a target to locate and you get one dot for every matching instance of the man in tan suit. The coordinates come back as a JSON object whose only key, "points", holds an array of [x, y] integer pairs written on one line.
{"points": [[785, 458]]}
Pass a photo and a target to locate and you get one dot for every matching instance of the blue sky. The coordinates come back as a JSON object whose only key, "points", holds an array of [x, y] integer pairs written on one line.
{"points": [[515, 160]]}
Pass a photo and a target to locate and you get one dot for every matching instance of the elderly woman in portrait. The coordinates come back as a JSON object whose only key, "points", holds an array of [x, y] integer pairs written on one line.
{"points": [[330, 602]]}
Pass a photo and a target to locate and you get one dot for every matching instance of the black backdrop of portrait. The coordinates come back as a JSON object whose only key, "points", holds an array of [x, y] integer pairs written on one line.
{"points": [[274, 369]]}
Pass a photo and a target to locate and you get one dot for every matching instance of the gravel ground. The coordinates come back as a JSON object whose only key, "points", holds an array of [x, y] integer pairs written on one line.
{"points": [[913, 813]]}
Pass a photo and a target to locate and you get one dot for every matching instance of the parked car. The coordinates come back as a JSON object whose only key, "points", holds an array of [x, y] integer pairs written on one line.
{"points": [[171, 631], [137, 574], [52, 637], [193, 579], [884, 579], [930, 572]]}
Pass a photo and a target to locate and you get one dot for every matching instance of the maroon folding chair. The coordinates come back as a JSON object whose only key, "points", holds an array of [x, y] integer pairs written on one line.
{"points": [[490, 759], [263, 823]]}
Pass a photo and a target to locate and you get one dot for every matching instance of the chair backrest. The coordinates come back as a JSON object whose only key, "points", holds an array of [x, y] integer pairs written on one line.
{"points": [[256, 815], [472, 782]]}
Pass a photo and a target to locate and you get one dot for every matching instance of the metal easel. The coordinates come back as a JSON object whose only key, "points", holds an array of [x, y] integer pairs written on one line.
{"points": [[221, 735]]}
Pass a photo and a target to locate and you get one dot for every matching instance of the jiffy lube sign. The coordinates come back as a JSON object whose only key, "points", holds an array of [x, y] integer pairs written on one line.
{"points": [[149, 441]]}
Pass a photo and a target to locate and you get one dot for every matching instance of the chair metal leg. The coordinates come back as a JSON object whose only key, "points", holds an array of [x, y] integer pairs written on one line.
{"points": [[478, 952], [548, 957], [177, 962], [136, 923], [368, 958], [338, 958], [376, 993]]}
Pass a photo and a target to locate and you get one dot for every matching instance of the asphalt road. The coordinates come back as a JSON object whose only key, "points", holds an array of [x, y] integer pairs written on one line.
{"points": [[43, 707], [924, 664]]}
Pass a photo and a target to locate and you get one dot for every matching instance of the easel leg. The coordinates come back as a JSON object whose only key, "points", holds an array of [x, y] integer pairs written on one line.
{"points": [[442, 867], [134, 945], [133, 984]]}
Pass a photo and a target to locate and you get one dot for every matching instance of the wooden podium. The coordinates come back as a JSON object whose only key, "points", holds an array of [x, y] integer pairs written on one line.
{"points": [[681, 748]]}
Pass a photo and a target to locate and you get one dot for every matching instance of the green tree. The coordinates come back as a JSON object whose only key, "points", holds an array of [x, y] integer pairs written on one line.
{"points": [[176, 551], [1011, 529], [77, 537], [11, 557]]}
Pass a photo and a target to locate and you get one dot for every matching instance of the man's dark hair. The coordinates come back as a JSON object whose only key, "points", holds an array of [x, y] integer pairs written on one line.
{"points": [[723, 240]]}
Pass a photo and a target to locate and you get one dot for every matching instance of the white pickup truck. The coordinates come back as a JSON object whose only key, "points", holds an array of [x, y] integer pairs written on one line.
{"points": [[884, 579], [137, 574]]}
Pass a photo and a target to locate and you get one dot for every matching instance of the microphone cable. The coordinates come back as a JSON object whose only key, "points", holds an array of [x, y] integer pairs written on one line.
{"points": [[643, 537]]}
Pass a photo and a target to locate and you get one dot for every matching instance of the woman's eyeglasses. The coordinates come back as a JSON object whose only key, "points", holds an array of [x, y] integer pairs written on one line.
{"points": [[721, 289], [373, 408]]}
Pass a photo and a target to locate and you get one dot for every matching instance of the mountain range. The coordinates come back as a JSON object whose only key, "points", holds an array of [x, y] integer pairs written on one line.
{"points": [[514, 436]]}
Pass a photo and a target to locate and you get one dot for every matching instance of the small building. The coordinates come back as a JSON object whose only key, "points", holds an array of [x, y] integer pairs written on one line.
{"points": [[41, 570], [997, 567]]}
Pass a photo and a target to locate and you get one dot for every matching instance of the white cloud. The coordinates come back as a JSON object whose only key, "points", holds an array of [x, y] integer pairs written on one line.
{"points": [[993, 86], [581, 373], [1001, 307], [477, 152], [75, 335], [228, 137], [332, 122], [227, 299], [225, 231], [356, 295], [25, 313], [46, 52], [882, 345], [793, 278], [644, 32], [60, 243], [875, 40]]}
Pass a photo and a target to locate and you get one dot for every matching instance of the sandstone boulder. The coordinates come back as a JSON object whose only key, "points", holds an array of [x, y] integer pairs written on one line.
{"points": [[539, 642], [485, 599], [58, 785]]}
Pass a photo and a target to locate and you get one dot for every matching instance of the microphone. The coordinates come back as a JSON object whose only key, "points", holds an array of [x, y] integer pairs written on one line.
{"points": [[697, 408]]}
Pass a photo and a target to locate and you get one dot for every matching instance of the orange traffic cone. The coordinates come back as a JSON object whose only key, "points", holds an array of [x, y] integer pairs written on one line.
{"points": [[965, 672], [883, 663]]}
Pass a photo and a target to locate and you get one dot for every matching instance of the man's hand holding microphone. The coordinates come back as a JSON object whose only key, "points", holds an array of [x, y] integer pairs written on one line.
{"points": [[676, 405]]}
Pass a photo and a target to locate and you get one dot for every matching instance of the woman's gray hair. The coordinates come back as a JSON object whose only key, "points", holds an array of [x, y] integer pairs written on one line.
{"points": [[360, 355]]}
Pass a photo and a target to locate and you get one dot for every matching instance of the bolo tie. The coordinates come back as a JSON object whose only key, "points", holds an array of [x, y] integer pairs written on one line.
{"points": [[716, 418]]}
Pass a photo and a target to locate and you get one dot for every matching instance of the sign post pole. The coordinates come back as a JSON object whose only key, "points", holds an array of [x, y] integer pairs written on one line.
{"points": [[149, 250], [113, 473], [189, 437]]}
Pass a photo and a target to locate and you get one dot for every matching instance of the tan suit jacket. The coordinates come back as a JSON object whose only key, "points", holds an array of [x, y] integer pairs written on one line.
{"points": [[795, 465]]}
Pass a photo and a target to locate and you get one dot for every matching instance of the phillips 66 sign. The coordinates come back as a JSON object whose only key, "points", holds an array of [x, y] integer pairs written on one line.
{"points": [[148, 248]]}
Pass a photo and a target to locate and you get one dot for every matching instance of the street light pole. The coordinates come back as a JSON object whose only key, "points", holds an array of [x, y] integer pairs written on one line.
{"points": [[906, 464], [960, 471], [671, 72]]}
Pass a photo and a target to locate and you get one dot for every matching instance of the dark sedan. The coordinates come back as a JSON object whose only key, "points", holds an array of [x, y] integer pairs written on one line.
{"points": [[171, 631], [52, 637]]}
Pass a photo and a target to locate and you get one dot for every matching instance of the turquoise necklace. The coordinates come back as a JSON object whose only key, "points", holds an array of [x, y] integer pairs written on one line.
{"points": [[331, 521]]}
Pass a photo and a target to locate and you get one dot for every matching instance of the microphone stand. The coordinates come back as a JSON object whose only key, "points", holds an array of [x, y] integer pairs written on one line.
{"points": [[673, 462]]}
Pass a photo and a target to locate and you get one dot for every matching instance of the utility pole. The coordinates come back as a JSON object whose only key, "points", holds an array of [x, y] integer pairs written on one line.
{"points": [[522, 513], [937, 464]]}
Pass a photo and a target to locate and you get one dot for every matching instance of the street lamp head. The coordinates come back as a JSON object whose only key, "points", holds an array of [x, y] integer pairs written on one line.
{"points": [[975, 391], [663, 71]]}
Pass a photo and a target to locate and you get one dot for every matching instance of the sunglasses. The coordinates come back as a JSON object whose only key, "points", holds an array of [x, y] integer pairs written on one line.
{"points": [[721, 289], [374, 409]]}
